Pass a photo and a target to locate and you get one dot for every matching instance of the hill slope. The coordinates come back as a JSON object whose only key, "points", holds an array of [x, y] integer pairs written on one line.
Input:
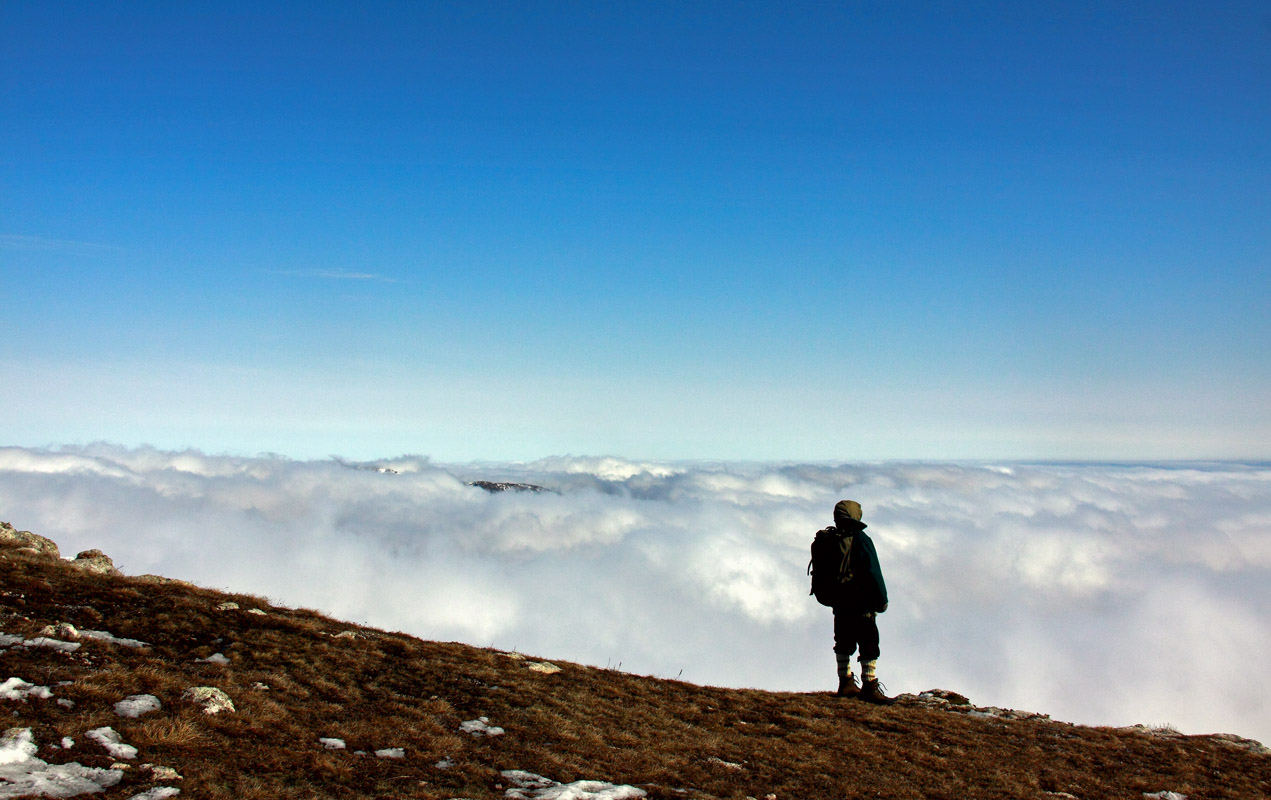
{"points": [[325, 709]]}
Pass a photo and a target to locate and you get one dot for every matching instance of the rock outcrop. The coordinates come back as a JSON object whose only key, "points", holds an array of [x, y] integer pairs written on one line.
{"points": [[28, 542], [91, 561], [95, 562]]}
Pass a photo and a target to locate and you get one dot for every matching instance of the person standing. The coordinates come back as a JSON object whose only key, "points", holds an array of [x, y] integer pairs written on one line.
{"points": [[856, 607]]}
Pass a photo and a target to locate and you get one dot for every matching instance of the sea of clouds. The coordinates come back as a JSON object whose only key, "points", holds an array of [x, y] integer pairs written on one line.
{"points": [[1100, 594]]}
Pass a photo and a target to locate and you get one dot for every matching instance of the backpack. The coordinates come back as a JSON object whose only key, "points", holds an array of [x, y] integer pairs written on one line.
{"points": [[831, 564]]}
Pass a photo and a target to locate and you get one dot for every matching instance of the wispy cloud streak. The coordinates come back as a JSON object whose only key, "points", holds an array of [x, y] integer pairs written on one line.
{"points": [[1099, 594]]}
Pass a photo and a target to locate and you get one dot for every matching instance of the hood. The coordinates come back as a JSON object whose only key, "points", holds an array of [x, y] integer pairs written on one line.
{"points": [[847, 515]]}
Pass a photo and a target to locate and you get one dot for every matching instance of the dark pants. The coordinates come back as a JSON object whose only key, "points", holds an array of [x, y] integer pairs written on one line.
{"points": [[852, 629]]}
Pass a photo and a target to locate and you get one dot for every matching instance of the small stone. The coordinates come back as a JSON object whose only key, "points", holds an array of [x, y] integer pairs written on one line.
{"points": [[719, 762], [227, 606], [215, 658], [256, 611], [162, 773], [211, 699]]}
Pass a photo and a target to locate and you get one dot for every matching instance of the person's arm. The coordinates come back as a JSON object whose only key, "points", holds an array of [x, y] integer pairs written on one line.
{"points": [[876, 574]]}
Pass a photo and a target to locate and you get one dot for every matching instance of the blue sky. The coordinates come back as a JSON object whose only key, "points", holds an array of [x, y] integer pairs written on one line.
{"points": [[663, 230]]}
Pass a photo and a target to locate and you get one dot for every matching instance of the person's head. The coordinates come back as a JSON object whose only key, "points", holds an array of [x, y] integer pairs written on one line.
{"points": [[846, 510]]}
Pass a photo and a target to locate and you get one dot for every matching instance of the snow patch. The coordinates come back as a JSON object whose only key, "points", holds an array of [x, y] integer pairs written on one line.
{"points": [[108, 738], [391, 752], [18, 689], [110, 638], [331, 743], [24, 775], [528, 786], [137, 704], [480, 727], [8, 640], [17, 745], [52, 644], [157, 793]]}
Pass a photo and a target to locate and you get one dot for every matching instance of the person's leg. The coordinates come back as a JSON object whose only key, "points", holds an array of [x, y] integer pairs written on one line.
{"points": [[867, 637], [844, 646], [871, 690]]}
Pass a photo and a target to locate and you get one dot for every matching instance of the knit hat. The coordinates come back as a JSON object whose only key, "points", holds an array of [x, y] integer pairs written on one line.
{"points": [[845, 510]]}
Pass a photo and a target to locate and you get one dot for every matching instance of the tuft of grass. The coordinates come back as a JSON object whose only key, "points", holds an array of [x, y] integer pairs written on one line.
{"points": [[170, 734]]}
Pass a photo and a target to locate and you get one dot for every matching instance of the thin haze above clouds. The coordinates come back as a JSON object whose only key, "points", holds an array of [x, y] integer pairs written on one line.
{"points": [[1098, 594]]}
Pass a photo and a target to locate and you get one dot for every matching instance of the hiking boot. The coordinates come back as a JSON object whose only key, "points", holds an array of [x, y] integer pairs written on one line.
{"points": [[848, 687], [872, 692]]}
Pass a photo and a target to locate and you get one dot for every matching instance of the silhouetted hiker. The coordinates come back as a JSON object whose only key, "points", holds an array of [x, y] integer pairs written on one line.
{"points": [[857, 596]]}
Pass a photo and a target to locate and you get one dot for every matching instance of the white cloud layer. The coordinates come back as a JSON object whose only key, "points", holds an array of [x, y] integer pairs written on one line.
{"points": [[1098, 594]]}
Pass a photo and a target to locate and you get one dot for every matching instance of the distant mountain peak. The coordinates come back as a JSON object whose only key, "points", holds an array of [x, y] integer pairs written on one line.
{"points": [[505, 486]]}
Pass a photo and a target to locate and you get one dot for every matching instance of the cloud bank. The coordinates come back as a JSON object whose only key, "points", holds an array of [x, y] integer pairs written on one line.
{"points": [[1098, 594]]}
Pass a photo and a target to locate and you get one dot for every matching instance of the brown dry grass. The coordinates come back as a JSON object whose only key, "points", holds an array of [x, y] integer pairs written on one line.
{"points": [[293, 681]]}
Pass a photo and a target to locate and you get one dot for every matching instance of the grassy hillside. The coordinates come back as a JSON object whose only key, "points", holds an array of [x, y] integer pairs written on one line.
{"points": [[421, 719]]}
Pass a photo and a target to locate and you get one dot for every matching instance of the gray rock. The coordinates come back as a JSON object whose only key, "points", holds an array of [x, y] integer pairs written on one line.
{"points": [[210, 699], [164, 581], [27, 542], [95, 562], [63, 630]]}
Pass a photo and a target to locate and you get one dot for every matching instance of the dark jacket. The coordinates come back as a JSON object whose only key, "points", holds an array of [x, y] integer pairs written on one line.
{"points": [[866, 591]]}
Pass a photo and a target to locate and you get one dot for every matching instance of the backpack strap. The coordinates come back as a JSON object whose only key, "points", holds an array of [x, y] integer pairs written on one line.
{"points": [[846, 540]]}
